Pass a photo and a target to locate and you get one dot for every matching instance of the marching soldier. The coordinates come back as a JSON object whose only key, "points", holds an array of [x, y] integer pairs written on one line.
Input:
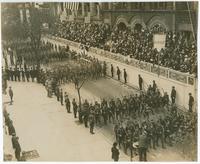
{"points": [[17, 149], [75, 107], [97, 113], [11, 128], [160, 134], [115, 152], [91, 121], [105, 114], [57, 93], [143, 147], [15, 73], [18, 75], [27, 73], [11, 74], [118, 108], [14, 140], [32, 74], [120, 135], [67, 103], [11, 95], [23, 75], [61, 96]]}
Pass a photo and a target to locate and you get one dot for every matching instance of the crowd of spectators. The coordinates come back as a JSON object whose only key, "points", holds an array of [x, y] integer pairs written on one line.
{"points": [[179, 53]]}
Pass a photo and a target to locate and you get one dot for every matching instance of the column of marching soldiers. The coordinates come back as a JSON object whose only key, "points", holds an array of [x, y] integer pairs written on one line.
{"points": [[148, 117]]}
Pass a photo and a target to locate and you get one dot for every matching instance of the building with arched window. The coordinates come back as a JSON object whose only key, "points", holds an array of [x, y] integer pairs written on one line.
{"points": [[159, 16]]}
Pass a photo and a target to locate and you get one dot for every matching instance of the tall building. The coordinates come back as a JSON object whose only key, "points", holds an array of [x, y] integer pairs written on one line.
{"points": [[172, 16]]}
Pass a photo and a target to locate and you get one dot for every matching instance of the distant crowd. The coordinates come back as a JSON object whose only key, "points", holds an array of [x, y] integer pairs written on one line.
{"points": [[179, 52]]}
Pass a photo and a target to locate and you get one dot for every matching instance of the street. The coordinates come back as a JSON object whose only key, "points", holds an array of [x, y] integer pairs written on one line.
{"points": [[44, 125]]}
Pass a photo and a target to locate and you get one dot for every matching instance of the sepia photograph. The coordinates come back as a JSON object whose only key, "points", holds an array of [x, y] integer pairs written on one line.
{"points": [[99, 81]]}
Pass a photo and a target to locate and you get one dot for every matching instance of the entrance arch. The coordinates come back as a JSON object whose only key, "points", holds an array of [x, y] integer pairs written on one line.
{"points": [[137, 23], [121, 23], [158, 24]]}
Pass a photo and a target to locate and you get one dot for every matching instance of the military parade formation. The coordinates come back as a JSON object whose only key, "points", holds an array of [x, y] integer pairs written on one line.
{"points": [[141, 121]]}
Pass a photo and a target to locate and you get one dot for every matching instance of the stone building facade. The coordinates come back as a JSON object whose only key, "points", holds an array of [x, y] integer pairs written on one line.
{"points": [[172, 16]]}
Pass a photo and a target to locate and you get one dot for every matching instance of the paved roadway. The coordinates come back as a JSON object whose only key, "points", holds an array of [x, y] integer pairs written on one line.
{"points": [[43, 124]]}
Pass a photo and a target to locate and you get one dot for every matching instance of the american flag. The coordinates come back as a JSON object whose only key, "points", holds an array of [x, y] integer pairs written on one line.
{"points": [[73, 6]]}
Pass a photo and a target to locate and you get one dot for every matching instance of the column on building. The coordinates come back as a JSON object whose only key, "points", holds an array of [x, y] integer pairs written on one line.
{"points": [[92, 9], [21, 15], [83, 9], [110, 5]]}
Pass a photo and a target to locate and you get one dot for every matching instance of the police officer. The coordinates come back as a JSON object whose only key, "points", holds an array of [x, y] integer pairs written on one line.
{"points": [[75, 107], [125, 76], [140, 81], [173, 95], [191, 102]]}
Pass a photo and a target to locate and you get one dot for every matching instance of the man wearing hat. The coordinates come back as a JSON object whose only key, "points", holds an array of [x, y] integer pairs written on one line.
{"points": [[125, 76], [173, 95], [14, 140], [143, 146], [140, 81], [75, 107], [191, 102], [118, 73], [91, 122], [67, 103], [11, 95], [17, 149], [115, 152], [61, 96], [23, 74]]}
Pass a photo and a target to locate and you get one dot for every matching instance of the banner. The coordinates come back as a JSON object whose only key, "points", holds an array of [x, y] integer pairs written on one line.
{"points": [[159, 41]]}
